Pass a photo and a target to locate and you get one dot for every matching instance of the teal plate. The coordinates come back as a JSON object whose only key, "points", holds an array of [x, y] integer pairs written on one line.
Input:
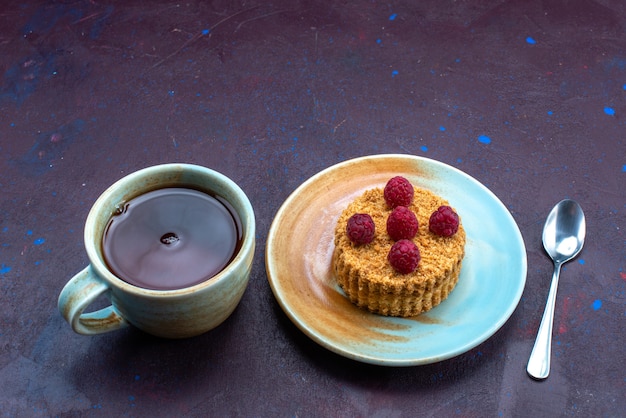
{"points": [[300, 246]]}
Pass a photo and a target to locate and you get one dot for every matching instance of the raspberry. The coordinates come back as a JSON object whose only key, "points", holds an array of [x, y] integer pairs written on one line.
{"points": [[444, 221], [402, 224], [404, 256], [398, 192], [360, 228]]}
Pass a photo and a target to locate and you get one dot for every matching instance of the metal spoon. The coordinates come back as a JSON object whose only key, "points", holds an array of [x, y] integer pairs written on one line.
{"points": [[563, 238]]}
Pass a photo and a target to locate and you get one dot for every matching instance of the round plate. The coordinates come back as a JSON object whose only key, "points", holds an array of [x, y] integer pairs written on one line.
{"points": [[300, 246]]}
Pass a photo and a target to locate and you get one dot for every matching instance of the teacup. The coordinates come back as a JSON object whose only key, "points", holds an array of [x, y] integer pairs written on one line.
{"points": [[164, 311]]}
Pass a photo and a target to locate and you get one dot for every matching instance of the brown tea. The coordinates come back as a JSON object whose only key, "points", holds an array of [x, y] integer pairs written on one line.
{"points": [[171, 238]]}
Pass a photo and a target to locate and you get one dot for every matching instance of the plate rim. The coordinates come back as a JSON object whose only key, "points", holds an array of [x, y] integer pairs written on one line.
{"points": [[378, 360]]}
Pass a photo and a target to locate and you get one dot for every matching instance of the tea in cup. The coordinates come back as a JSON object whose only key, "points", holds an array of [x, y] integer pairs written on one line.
{"points": [[171, 246]]}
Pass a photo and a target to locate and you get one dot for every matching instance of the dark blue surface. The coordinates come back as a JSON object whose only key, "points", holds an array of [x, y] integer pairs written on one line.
{"points": [[528, 97]]}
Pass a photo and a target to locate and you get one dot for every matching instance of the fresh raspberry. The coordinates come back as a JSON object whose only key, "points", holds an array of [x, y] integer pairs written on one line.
{"points": [[398, 192], [360, 228], [402, 224], [404, 256], [444, 221]]}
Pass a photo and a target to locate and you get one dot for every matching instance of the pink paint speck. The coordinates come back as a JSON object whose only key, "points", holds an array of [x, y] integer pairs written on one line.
{"points": [[56, 137]]}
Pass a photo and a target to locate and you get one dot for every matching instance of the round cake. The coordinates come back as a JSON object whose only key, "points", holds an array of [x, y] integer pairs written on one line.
{"points": [[368, 279]]}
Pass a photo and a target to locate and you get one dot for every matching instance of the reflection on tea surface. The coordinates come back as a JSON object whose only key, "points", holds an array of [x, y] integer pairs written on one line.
{"points": [[171, 238]]}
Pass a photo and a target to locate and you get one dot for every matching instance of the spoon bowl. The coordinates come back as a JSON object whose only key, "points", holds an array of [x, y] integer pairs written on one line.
{"points": [[563, 238], [564, 231]]}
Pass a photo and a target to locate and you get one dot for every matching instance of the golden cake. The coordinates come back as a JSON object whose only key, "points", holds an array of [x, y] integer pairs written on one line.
{"points": [[367, 277]]}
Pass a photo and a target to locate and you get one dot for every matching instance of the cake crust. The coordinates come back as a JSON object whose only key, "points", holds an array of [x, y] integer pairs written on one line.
{"points": [[368, 279]]}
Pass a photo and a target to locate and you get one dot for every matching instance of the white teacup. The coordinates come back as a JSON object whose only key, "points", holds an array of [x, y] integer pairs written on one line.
{"points": [[173, 313]]}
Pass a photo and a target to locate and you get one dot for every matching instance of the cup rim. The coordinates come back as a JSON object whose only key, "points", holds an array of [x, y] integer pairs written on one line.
{"points": [[91, 241]]}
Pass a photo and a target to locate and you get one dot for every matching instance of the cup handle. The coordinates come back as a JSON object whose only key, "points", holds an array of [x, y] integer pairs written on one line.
{"points": [[77, 295]]}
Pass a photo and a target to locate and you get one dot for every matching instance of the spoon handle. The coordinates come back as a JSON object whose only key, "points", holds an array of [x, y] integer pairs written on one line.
{"points": [[539, 361]]}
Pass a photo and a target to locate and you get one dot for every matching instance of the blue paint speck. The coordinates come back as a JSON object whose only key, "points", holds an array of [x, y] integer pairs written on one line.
{"points": [[442, 128], [394, 73], [550, 112], [624, 168], [597, 304], [609, 111], [531, 41], [484, 139], [581, 261], [393, 16], [29, 232], [205, 31], [137, 377], [424, 148], [39, 241], [379, 41], [4, 269], [624, 86], [171, 93]]}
